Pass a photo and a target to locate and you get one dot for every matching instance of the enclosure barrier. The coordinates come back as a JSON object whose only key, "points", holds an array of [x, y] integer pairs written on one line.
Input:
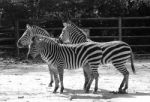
{"points": [[120, 28], [6, 39]]}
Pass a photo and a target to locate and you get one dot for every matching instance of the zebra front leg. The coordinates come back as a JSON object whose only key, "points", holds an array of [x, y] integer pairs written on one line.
{"points": [[61, 72], [56, 81], [87, 73], [94, 73], [51, 75]]}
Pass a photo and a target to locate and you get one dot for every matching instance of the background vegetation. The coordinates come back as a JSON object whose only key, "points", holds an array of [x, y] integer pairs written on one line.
{"points": [[12, 10], [49, 12]]}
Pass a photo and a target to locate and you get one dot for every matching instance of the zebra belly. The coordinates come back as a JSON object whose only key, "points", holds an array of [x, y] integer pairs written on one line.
{"points": [[72, 64], [53, 66]]}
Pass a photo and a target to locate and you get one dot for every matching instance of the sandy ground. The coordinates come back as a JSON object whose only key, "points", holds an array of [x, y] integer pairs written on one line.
{"points": [[29, 83]]}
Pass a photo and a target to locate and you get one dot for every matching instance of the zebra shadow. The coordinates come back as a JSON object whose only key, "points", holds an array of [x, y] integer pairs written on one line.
{"points": [[101, 94], [80, 94]]}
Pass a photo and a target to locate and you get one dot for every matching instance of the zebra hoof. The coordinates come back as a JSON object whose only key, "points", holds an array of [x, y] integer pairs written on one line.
{"points": [[94, 92], [61, 91], [54, 91], [122, 92], [114, 92], [50, 84], [86, 91]]}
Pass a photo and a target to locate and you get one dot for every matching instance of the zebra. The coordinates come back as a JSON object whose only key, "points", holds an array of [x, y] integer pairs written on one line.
{"points": [[86, 55], [115, 52], [25, 41], [73, 34]]}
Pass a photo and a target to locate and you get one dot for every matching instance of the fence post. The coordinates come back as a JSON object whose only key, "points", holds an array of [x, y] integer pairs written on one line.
{"points": [[120, 28], [17, 36]]}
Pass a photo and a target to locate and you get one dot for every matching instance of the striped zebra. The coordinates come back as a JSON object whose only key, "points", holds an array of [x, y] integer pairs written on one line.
{"points": [[67, 56], [115, 52], [25, 40]]}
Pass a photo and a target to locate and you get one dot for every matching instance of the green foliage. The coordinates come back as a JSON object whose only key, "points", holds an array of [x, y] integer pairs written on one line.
{"points": [[37, 9]]}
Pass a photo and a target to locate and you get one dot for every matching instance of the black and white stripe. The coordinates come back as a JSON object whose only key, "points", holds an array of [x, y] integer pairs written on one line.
{"points": [[25, 40], [86, 55], [115, 52]]}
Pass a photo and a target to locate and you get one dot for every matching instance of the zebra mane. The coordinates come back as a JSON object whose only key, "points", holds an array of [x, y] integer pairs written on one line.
{"points": [[53, 41], [46, 39], [79, 29], [45, 33]]}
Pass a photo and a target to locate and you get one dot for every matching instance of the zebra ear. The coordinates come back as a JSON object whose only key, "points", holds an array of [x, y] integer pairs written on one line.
{"points": [[27, 26]]}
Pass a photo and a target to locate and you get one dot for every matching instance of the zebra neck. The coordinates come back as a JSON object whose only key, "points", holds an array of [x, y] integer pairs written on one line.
{"points": [[40, 32], [48, 51]]}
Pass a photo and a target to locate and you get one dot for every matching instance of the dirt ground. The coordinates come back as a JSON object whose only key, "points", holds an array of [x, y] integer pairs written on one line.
{"points": [[23, 82]]}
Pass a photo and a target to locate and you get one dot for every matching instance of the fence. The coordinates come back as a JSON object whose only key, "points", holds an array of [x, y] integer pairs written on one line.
{"points": [[7, 39], [144, 39], [120, 28]]}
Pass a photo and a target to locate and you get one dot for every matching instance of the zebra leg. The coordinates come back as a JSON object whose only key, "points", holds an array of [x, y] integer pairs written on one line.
{"points": [[51, 76], [86, 75], [124, 84], [96, 75], [86, 79], [61, 72], [89, 83], [56, 81]]}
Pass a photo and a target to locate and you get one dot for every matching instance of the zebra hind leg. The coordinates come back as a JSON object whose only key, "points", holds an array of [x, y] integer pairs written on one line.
{"points": [[86, 75], [86, 80], [123, 90], [124, 84], [93, 74], [89, 83], [96, 75]]}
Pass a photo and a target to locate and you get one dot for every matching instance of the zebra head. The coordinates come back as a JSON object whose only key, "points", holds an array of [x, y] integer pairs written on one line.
{"points": [[72, 34], [30, 32], [64, 36], [25, 38]]}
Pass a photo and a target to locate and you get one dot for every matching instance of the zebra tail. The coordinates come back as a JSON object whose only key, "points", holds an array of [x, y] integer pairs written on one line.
{"points": [[132, 63]]}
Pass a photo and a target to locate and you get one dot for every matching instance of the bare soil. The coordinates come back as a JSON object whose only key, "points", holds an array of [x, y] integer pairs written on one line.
{"points": [[23, 82]]}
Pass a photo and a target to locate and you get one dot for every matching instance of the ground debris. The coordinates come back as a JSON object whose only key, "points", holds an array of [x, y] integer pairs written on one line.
{"points": [[20, 97]]}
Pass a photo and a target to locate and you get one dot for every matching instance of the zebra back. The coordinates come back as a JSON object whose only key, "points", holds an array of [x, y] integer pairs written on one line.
{"points": [[71, 57]]}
